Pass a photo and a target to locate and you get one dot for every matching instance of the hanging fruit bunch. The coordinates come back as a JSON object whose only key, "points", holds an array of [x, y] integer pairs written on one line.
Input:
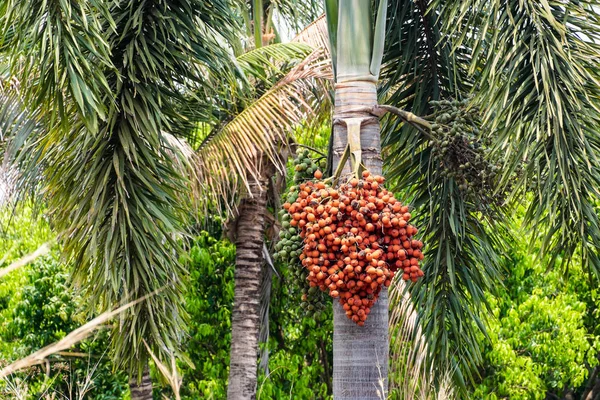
{"points": [[462, 151], [355, 239], [290, 244]]}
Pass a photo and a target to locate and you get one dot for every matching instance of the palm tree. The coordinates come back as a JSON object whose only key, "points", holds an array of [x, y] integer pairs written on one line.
{"points": [[236, 163], [538, 98], [109, 79], [360, 354], [527, 67]]}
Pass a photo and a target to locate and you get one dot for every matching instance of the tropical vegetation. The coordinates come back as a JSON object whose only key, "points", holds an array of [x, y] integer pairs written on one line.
{"points": [[149, 150]]}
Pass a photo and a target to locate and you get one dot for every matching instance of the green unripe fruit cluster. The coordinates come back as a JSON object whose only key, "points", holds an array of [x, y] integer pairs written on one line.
{"points": [[462, 151], [290, 244]]}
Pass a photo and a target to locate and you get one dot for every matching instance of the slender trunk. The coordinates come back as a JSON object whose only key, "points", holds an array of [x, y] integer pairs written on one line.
{"points": [[360, 354], [592, 389], [141, 390], [245, 319]]}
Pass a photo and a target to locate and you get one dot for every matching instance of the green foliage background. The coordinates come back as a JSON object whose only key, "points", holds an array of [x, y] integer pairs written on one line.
{"points": [[544, 335], [38, 306]]}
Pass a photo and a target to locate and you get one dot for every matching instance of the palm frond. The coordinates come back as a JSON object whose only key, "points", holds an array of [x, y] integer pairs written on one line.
{"points": [[298, 13], [17, 125], [315, 34], [418, 66], [271, 55], [461, 258], [264, 62], [228, 159], [462, 261], [69, 340], [116, 192], [412, 374], [59, 48], [40, 251], [539, 84]]}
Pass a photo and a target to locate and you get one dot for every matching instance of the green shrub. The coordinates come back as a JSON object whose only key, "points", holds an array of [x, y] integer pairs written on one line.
{"points": [[541, 337], [43, 308]]}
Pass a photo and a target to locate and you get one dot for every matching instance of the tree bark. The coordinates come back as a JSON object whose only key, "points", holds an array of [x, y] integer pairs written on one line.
{"points": [[141, 390], [245, 319], [592, 389], [360, 354]]}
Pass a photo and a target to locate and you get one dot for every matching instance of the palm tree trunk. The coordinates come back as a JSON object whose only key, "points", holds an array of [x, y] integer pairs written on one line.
{"points": [[141, 390], [360, 354], [245, 320]]}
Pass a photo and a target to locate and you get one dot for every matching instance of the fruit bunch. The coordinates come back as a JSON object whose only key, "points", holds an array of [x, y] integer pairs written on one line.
{"points": [[290, 244], [355, 239], [462, 151]]}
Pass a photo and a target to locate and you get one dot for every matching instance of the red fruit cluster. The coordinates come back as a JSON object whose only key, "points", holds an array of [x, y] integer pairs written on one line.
{"points": [[355, 240]]}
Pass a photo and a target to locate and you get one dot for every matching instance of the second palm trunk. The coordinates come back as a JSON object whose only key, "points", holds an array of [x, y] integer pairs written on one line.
{"points": [[245, 320]]}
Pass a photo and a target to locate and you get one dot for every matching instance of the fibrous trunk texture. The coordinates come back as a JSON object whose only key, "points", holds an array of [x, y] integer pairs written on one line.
{"points": [[245, 319], [360, 354], [141, 390]]}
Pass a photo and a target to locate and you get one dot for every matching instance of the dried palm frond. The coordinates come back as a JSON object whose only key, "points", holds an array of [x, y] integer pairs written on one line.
{"points": [[40, 251], [228, 159], [315, 34], [170, 373], [412, 375], [70, 340]]}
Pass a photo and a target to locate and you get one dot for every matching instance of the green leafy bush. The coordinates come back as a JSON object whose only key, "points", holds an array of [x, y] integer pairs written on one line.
{"points": [[300, 347], [42, 309], [209, 300], [541, 339]]}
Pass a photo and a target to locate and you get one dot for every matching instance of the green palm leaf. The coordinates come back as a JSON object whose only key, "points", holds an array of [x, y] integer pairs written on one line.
{"points": [[17, 125], [265, 65], [272, 56], [539, 84], [59, 48], [463, 244], [298, 13], [116, 192]]}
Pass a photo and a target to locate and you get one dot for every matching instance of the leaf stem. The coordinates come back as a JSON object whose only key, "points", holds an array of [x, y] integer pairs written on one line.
{"points": [[311, 149], [422, 125], [257, 14]]}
